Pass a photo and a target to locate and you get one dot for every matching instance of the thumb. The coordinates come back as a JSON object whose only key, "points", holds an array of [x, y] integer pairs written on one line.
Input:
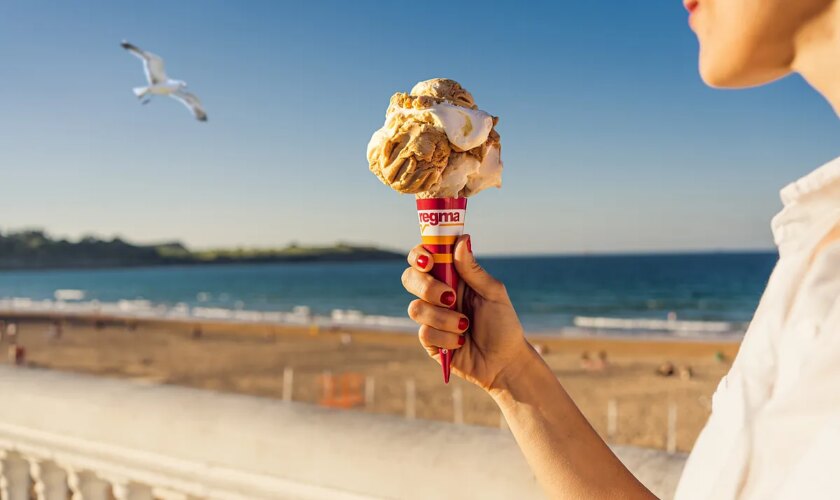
{"points": [[473, 274]]}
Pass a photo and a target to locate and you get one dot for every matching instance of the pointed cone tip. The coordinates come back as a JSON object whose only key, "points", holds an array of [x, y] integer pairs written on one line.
{"points": [[446, 361]]}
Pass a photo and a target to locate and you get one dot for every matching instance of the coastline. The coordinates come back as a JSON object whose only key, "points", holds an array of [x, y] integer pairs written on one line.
{"points": [[562, 336], [670, 329], [34, 249]]}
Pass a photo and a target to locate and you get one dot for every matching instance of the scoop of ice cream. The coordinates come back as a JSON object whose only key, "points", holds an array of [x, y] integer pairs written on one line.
{"points": [[436, 143], [410, 156], [444, 88], [464, 127], [489, 173]]}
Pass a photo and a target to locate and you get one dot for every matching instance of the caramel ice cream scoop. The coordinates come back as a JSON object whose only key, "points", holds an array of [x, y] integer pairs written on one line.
{"points": [[436, 143], [444, 88]]}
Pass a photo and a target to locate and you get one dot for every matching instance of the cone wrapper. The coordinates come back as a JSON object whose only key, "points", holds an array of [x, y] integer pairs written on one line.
{"points": [[441, 222]]}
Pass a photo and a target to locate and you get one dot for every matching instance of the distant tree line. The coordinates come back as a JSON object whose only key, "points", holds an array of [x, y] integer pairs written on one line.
{"points": [[35, 249]]}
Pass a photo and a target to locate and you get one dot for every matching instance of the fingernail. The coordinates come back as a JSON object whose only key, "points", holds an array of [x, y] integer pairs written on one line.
{"points": [[469, 245], [463, 324], [448, 298], [423, 261], [461, 340]]}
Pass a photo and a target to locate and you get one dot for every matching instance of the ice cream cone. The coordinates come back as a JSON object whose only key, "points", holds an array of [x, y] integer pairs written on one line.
{"points": [[441, 222]]}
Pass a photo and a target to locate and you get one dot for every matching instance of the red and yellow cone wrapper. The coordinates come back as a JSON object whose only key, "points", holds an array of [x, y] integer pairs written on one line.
{"points": [[441, 222]]}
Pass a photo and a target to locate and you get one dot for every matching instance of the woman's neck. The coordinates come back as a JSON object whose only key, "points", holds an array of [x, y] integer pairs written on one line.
{"points": [[817, 56]]}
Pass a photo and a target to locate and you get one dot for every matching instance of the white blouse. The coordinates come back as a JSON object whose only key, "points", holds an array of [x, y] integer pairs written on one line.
{"points": [[774, 431]]}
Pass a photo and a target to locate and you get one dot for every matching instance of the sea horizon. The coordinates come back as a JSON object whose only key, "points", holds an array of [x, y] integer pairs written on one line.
{"points": [[512, 256]]}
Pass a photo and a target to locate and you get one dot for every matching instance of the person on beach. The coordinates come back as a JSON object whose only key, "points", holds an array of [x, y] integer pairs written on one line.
{"points": [[774, 431]]}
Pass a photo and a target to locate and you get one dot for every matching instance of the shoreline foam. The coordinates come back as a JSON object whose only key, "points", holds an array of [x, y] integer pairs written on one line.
{"points": [[302, 316]]}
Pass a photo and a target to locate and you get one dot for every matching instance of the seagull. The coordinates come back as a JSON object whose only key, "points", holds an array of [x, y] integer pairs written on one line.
{"points": [[160, 84]]}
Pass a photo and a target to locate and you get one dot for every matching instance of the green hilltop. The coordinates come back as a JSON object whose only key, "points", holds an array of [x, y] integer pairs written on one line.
{"points": [[35, 249]]}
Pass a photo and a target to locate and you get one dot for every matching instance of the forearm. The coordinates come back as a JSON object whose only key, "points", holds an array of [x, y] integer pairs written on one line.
{"points": [[568, 457]]}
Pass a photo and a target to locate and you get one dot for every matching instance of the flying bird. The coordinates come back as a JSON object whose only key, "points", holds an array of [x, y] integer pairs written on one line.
{"points": [[160, 84]]}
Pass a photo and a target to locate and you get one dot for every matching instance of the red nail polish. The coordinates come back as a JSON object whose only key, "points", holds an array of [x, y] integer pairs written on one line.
{"points": [[461, 340], [469, 244], [448, 298], [423, 261], [463, 324]]}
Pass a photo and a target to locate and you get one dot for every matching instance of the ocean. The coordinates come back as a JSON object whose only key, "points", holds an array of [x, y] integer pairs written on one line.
{"points": [[689, 294]]}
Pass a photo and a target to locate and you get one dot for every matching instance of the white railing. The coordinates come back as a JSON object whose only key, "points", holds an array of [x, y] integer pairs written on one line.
{"points": [[70, 436]]}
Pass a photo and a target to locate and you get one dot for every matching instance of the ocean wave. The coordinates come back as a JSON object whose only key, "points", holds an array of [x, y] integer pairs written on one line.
{"points": [[145, 309], [670, 325], [347, 318], [69, 294]]}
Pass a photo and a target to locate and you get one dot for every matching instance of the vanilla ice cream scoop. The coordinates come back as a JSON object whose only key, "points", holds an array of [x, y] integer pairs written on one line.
{"points": [[436, 143]]}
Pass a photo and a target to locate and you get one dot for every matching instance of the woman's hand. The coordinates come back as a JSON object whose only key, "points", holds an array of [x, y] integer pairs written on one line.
{"points": [[566, 454], [486, 337]]}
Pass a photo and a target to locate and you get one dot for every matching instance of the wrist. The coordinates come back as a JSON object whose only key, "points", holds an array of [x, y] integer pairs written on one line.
{"points": [[514, 373]]}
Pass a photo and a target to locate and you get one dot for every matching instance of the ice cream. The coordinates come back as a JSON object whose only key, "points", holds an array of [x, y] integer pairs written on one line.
{"points": [[436, 143]]}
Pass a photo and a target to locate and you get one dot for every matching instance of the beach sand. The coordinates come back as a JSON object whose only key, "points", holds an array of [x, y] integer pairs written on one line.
{"points": [[251, 359]]}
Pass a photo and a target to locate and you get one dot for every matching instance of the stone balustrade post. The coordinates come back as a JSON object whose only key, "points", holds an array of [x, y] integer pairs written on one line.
{"points": [[165, 494], [86, 485], [50, 480], [132, 491], [14, 477]]}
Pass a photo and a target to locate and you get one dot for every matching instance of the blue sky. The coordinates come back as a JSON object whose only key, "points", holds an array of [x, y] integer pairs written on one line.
{"points": [[611, 142]]}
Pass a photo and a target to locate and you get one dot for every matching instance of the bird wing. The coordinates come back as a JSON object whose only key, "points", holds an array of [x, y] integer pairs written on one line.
{"points": [[152, 64], [192, 102]]}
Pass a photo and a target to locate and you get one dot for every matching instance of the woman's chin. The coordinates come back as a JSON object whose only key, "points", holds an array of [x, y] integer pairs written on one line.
{"points": [[736, 75], [719, 80]]}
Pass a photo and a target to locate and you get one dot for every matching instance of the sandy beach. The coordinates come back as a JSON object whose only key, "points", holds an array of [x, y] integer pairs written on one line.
{"points": [[333, 367]]}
